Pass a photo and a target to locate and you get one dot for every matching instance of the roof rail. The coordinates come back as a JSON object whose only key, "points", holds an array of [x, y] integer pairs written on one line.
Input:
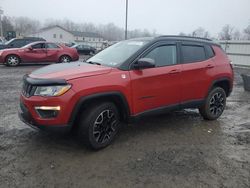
{"points": [[179, 36]]}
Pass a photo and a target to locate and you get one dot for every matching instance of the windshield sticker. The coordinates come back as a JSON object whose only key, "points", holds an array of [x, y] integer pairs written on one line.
{"points": [[113, 63], [137, 43]]}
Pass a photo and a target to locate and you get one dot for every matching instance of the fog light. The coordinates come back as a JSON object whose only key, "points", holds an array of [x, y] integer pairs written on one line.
{"points": [[47, 112]]}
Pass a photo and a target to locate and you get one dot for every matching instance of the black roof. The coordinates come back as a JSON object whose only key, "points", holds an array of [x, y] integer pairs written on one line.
{"points": [[186, 38], [177, 38]]}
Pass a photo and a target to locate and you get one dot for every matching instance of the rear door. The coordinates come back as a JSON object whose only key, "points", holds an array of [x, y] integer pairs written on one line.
{"points": [[160, 86], [197, 68], [52, 51]]}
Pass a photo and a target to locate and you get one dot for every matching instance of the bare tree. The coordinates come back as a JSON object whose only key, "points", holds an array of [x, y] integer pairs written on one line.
{"points": [[226, 33], [200, 32], [7, 25], [24, 25], [182, 34], [236, 35], [247, 32]]}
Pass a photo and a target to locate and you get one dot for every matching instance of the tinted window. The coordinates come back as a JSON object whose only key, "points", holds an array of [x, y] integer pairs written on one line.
{"points": [[210, 51], [17, 43], [51, 45], [193, 53], [38, 46], [163, 55]]}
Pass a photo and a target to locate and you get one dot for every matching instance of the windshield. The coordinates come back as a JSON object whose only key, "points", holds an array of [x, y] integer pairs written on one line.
{"points": [[8, 42], [118, 53]]}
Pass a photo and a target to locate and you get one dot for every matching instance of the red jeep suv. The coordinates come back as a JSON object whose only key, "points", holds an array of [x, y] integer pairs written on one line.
{"points": [[130, 79]]}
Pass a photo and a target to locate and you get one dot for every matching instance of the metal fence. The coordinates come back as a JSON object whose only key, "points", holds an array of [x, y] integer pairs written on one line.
{"points": [[238, 51]]}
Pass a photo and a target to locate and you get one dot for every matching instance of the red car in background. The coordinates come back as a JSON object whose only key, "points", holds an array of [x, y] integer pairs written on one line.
{"points": [[38, 52]]}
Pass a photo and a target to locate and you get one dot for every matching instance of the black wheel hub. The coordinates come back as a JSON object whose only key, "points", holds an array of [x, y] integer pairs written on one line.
{"points": [[216, 105], [105, 126]]}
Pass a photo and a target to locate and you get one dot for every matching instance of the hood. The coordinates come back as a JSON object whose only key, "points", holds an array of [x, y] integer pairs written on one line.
{"points": [[69, 71]]}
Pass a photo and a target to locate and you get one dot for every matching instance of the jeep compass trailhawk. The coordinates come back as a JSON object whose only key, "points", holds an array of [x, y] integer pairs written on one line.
{"points": [[130, 79]]}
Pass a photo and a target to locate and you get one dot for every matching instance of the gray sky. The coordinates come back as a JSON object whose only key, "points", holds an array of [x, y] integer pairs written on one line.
{"points": [[165, 16]]}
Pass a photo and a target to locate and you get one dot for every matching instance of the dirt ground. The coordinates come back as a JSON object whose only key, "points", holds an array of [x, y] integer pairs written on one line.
{"points": [[178, 149]]}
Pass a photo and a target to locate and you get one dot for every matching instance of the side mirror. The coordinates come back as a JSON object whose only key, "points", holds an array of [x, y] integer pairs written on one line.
{"points": [[144, 63], [30, 48]]}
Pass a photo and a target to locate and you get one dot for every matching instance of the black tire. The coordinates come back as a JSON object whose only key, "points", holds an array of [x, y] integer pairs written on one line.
{"points": [[99, 125], [65, 59], [214, 104], [12, 61]]}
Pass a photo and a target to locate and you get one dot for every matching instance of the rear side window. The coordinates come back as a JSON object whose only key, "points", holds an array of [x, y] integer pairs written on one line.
{"points": [[38, 46], [163, 55], [51, 45], [193, 53], [210, 51]]}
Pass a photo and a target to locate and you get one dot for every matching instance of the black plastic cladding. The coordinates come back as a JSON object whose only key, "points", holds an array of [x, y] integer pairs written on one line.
{"points": [[126, 65], [43, 82]]}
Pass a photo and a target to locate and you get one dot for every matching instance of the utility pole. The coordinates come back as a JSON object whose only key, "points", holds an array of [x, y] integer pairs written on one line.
{"points": [[126, 21], [1, 25]]}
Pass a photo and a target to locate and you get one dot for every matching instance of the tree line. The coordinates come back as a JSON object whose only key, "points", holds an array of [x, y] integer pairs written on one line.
{"points": [[110, 31], [227, 32]]}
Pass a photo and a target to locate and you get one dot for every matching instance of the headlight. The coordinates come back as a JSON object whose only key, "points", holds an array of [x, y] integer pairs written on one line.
{"points": [[50, 91]]}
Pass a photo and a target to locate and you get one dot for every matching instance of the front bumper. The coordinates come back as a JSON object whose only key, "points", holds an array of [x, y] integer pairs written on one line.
{"points": [[26, 117]]}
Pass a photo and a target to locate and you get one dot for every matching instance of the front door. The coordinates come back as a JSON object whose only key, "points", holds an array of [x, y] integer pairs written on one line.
{"points": [[159, 86], [37, 53]]}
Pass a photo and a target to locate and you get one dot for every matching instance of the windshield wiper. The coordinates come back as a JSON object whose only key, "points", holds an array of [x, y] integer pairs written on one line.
{"points": [[94, 63]]}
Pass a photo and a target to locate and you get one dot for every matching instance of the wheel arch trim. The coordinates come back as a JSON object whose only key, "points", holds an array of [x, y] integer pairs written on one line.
{"points": [[89, 98], [216, 81]]}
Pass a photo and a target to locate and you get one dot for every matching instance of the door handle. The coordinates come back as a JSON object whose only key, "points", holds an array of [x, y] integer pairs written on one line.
{"points": [[209, 66], [174, 71]]}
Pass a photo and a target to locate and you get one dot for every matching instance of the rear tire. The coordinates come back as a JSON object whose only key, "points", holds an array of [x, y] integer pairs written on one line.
{"points": [[214, 104], [65, 59], [12, 61], [99, 125]]}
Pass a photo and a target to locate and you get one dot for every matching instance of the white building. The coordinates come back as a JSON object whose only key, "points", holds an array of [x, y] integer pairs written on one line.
{"points": [[92, 39], [61, 35], [55, 34]]}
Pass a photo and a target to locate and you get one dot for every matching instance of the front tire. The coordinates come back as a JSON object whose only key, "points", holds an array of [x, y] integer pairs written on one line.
{"points": [[99, 125], [214, 104], [12, 61]]}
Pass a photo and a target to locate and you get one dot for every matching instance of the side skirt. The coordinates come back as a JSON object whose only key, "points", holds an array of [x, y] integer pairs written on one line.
{"points": [[166, 109]]}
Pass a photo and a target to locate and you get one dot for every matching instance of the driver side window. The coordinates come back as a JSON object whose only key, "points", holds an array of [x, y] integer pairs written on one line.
{"points": [[38, 46], [163, 55]]}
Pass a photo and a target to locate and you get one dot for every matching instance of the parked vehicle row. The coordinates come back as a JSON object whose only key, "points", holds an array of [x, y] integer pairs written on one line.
{"points": [[18, 43], [38, 52], [33, 49], [84, 49]]}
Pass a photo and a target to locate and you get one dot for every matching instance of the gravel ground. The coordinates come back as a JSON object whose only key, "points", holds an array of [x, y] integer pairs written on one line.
{"points": [[178, 149]]}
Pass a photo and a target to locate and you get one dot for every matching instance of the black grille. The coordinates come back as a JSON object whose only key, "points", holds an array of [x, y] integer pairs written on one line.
{"points": [[28, 90]]}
